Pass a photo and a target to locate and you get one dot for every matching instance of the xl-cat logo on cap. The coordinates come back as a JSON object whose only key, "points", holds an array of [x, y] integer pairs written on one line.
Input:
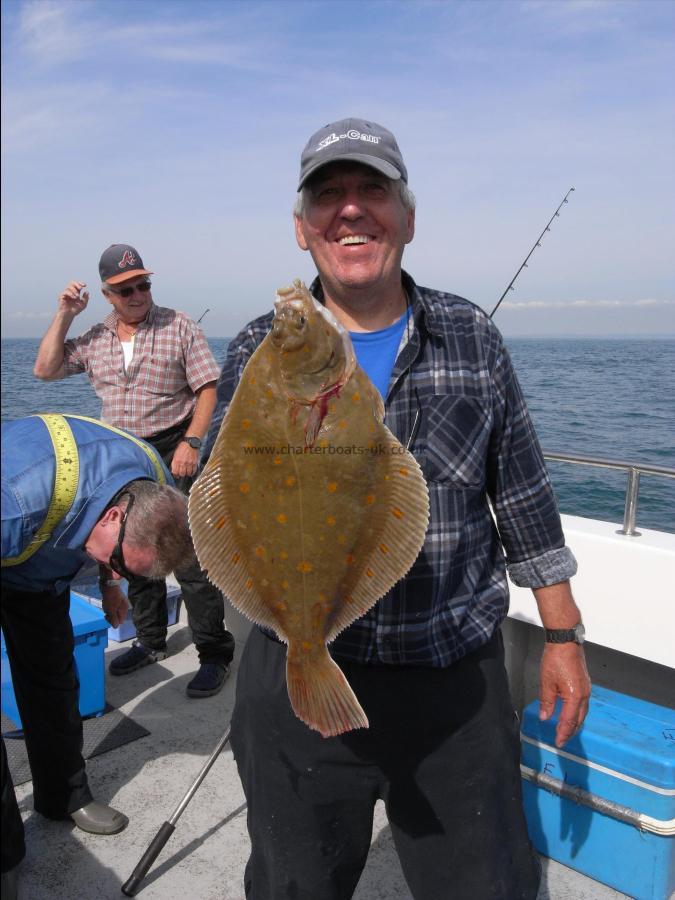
{"points": [[351, 135], [128, 259]]}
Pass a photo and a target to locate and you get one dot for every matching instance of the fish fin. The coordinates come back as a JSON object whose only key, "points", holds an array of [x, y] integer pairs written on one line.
{"points": [[397, 529], [313, 423], [215, 542], [319, 692]]}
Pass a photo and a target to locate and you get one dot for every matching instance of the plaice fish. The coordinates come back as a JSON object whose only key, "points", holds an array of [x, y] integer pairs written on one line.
{"points": [[309, 509]]}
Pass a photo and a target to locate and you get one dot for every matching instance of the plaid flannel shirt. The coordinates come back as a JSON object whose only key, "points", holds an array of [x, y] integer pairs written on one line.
{"points": [[171, 362], [477, 447]]}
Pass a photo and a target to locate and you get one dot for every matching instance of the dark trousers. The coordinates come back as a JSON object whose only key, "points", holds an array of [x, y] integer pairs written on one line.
{"points": [[442, 752], [203, 601], [39, 640]]}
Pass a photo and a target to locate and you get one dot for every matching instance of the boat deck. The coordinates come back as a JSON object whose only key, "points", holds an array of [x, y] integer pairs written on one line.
{"points": [[147, 779]]}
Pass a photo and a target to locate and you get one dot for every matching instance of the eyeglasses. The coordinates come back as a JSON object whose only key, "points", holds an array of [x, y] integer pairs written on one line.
{"points": [[142, 287], [116, 562]]}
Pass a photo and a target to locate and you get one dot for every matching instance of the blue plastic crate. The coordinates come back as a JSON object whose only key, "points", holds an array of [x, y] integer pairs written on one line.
{"points": [[90, 630], [604, 804], [89, 591]]}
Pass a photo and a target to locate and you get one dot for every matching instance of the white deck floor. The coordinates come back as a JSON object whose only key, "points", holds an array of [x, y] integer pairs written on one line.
{"points": [[146, 779]]}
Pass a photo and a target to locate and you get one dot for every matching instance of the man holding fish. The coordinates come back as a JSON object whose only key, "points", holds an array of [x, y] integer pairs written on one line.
{"points": [[403, 576]]}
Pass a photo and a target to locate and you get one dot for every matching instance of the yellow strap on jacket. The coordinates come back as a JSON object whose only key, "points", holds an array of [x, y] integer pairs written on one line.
{"points": [[66, 477]]}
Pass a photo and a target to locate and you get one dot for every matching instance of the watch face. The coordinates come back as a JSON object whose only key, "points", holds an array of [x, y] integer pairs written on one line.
{"points": [[194, 442]]}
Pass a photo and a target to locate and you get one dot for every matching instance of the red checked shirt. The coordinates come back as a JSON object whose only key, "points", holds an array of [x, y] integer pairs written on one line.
{"points": [[170, 363]]}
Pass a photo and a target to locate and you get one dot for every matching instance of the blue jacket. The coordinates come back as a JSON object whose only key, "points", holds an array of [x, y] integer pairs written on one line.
{"points": [[107, 461]]}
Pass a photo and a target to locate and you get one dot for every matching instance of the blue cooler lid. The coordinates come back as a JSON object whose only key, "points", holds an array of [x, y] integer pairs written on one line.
{"points": [[623, 733], [85, 618]]}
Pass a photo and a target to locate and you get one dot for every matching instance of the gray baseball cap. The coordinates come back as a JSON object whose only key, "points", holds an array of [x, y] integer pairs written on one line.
{"points": [[353, 140], [119, 262]]}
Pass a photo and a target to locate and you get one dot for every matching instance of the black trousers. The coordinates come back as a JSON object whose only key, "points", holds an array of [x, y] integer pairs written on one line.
{"points": [[203, 601], [39, 640], [442, 752]]}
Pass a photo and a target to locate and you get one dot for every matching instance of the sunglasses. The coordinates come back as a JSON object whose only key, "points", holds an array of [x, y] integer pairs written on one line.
{"points": [[142, 287], [116, 562]]}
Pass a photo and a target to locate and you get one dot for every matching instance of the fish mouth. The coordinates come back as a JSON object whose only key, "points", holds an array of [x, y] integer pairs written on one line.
{"points": [[349, 240]]}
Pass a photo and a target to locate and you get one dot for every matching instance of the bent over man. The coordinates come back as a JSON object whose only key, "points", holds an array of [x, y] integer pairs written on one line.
{"points": [[121, 511], [427, 661]]}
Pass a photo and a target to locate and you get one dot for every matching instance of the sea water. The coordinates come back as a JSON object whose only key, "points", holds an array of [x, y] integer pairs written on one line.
{"points": [[589, 396]]}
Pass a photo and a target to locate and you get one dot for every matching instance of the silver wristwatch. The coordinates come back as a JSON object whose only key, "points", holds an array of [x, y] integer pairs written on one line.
{"points": [[194, 442], [575, 635]]}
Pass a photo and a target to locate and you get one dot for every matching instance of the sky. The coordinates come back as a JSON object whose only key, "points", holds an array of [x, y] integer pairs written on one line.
{"points": [[177, 127]]}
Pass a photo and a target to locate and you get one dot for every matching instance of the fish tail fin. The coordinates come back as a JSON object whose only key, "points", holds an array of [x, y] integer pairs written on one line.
{"points": [[320, 694]]}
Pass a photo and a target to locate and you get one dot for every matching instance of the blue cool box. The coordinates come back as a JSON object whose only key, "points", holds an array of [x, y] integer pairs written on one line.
{"points": [[89, 591], [615, 817], [91, 638]]}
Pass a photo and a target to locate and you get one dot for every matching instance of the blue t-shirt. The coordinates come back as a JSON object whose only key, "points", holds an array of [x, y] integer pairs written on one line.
{"points": [[376, 351]]}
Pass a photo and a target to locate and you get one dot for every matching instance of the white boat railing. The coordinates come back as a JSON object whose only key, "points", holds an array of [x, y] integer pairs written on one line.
{"points": [[634, 471]]}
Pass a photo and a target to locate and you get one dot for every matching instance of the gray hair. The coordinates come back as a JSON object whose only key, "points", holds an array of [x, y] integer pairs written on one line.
{"points": [[407, 198], [159, 520]]}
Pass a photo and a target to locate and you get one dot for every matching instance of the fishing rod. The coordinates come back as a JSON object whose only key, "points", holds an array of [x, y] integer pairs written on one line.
{"points": [[537, 243], [208, 310]]}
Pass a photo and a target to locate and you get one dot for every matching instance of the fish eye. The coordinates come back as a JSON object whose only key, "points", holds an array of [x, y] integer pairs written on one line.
{"points": [[302, 320]]}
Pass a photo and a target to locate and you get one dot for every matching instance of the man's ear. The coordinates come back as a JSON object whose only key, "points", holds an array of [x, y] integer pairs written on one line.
{"points": [[300, 233], [411, 226], [111, 516]]}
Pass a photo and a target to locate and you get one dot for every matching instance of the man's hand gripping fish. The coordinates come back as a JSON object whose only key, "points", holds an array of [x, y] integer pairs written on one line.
{"points": [[309, 510]]}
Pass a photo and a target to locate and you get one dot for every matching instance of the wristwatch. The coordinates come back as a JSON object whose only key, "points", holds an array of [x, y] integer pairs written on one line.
{"points": [[576, 635], [194, 442]]}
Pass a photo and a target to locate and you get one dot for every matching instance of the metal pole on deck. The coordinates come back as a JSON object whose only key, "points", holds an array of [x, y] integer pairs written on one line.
{"points": [[130, 887]]}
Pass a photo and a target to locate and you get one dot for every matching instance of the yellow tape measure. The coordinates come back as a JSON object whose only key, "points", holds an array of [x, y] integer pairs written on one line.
{"points": [[67, 476]]}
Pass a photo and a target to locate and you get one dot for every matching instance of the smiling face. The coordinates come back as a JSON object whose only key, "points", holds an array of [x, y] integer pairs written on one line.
{"points": [[133, 309], [356, 227]]}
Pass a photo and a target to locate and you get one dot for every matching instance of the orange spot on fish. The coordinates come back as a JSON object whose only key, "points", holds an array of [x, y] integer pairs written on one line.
{"points": [[244, 487], [369, 573], [304, 566], [235, 558], [349, 558], [370, 499], [403, 472], [397, 512], [277, 460], [281, 606], [252, 379], [282, 519], [306, 646], [330, 520], [290, 481], [269, 393], [284, 585], [356, 398], [342, 424], [260, 551], [323, 442], [245, 423], [249, 583], [220, 522], [332, 487]]}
